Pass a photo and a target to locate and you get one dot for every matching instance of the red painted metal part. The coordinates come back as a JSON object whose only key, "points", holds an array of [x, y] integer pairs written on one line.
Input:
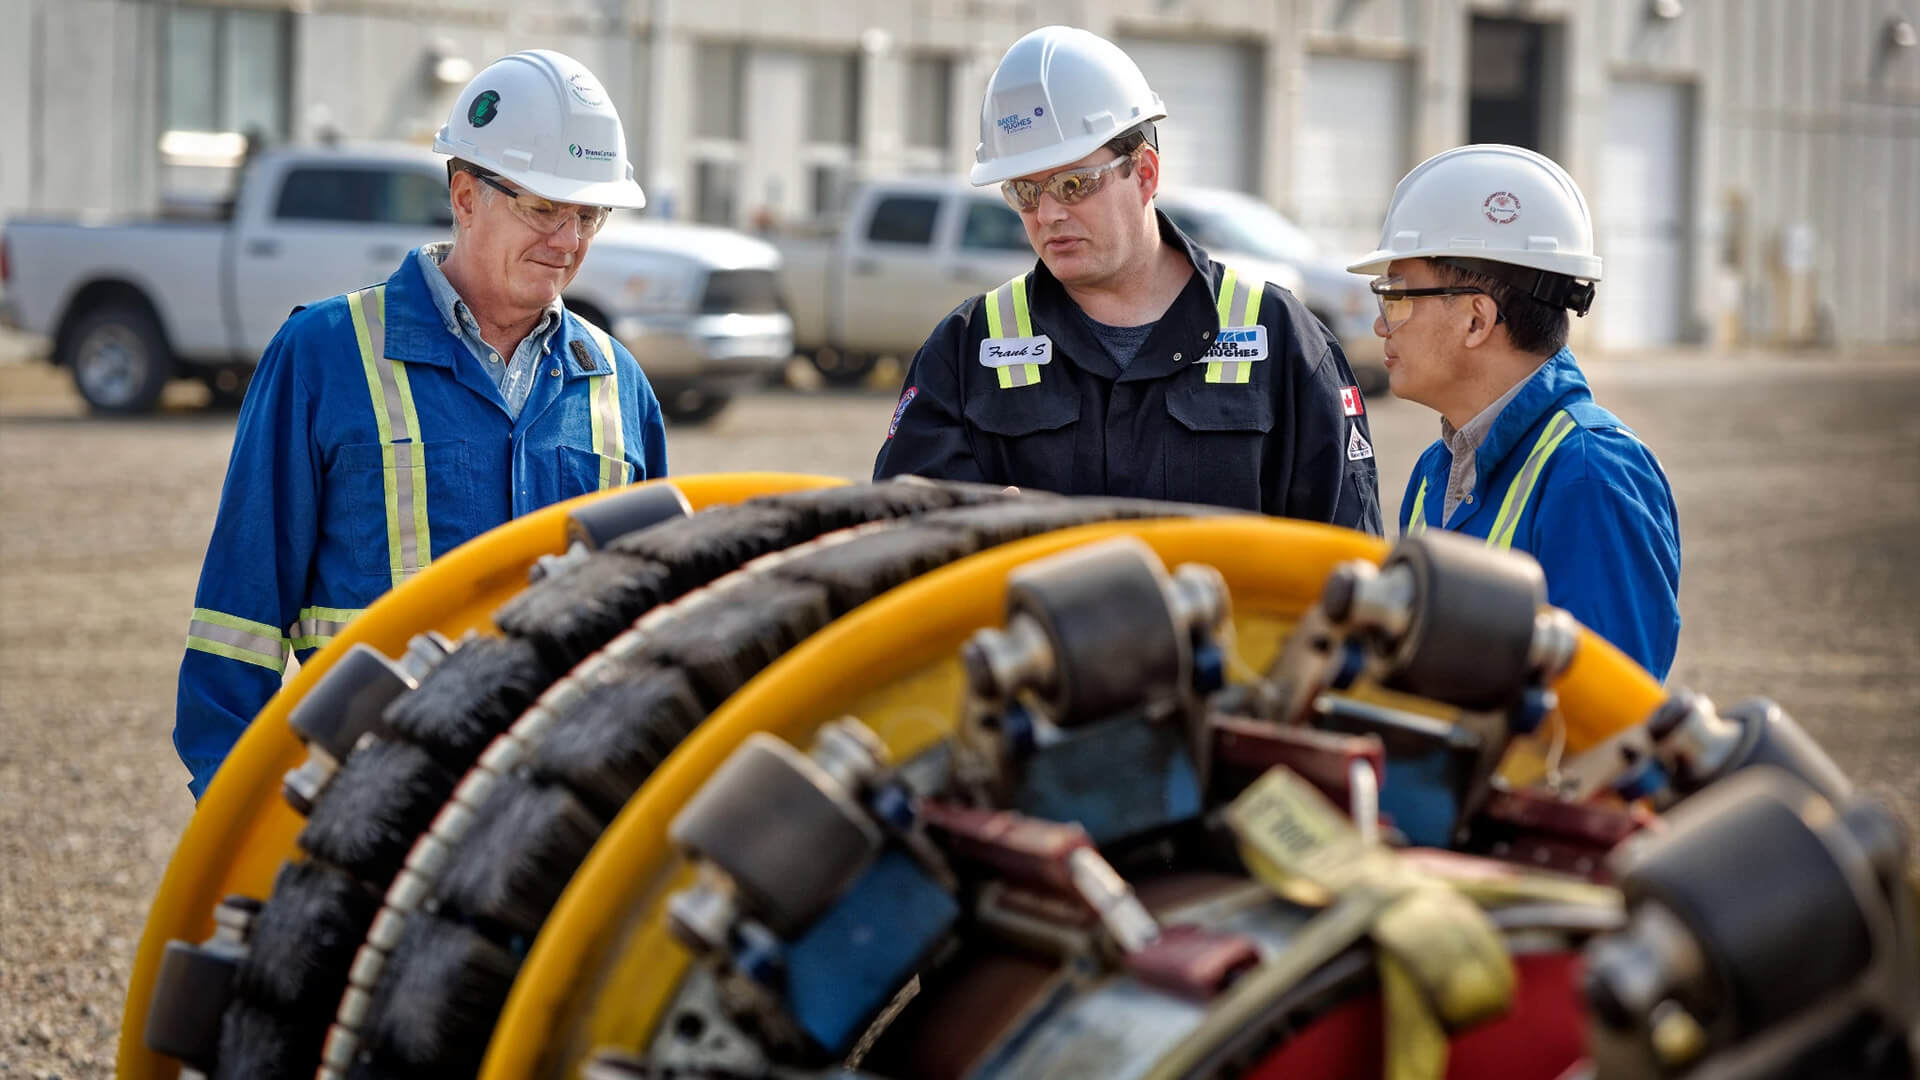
{"points": [[1540, 1038]]}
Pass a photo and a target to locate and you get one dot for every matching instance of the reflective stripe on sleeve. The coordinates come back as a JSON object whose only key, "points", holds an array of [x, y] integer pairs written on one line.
{"points": [[235, 638], [402, 457], [318, 626]]}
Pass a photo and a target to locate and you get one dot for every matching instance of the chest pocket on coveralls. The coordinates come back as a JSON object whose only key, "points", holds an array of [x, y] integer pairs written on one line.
{"points": [[583, 471], [1218, 443], [1026, 434], [372, 508]]}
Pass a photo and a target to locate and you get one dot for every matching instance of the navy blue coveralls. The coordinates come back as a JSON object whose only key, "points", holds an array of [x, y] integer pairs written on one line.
{"points": [[1255, 413]]}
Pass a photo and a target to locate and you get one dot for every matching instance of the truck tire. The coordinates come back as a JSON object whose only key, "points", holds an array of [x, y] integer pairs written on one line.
{"points": [[691, 403], [842, 368], [119, 359]]}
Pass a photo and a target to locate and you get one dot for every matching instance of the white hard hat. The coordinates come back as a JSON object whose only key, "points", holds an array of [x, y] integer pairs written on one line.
{"points": [[541, 120], [1503, 204], [1058, 94]]}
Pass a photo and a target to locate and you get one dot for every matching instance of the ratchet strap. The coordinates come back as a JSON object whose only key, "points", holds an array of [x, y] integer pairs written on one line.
{"points": [[1443, 964]]}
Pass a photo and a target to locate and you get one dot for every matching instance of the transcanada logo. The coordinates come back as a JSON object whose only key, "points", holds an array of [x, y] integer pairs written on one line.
{"points": [[589, 155]]}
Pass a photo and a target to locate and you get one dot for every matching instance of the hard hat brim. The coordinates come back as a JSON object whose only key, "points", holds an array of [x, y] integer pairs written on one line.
{"points": [[1582, 267], [1057, 156]]}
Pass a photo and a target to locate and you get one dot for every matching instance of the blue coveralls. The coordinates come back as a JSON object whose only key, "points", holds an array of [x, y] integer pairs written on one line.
{"points": [[1257, 413], [1563, 479], [372, 442]]}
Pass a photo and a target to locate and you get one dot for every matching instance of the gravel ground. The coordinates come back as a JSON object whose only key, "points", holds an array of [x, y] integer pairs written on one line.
{"points": [[1797, 476]]}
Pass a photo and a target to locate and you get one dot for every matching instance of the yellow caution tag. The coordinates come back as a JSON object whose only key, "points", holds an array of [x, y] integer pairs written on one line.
{"points": [[1299, 843]]}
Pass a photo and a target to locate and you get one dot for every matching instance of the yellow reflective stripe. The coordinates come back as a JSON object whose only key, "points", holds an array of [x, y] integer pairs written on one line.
{"points": [[220, 634], [609, 436], [994, 326], [1417, 521], [1521, 489], [1224, 301], [415, 498], [1021, 318], [317, 626], [1250, 313], [402, 457]]}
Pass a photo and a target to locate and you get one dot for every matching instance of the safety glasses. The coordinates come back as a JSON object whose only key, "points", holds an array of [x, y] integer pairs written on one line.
{"points": [[545, 216], [1396, 300], [1069, 187]]}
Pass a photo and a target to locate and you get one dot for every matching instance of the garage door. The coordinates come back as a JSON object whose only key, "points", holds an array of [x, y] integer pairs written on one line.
{"points": [[1641, 220], [1352, 151], [1211, 136]]}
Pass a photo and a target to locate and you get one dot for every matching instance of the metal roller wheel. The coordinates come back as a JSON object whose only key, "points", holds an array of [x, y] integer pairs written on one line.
{"points": [[1473, 617]]}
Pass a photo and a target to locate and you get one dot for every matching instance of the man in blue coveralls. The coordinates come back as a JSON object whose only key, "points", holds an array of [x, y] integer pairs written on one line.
{"points": [[385, 427], [1485, 250]]}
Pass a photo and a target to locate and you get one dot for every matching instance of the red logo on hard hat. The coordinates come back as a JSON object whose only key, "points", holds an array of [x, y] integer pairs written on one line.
{"points": [[1502, 207]]}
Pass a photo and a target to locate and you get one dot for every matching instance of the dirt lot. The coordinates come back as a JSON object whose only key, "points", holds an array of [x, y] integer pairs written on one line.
{"points": [[1797, 476]]}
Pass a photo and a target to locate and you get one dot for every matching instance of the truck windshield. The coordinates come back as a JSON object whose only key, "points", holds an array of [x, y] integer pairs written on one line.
{"points": [[1243, 225]]}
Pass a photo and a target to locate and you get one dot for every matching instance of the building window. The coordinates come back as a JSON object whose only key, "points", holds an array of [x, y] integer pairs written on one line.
{"points": [[833, 99], [721, 81], [227, 71], [930, 102], [716, 188]]}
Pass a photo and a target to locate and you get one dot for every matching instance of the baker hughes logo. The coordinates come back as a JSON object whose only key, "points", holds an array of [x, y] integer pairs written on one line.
{"points": [[1015, 122], [585, 154]]}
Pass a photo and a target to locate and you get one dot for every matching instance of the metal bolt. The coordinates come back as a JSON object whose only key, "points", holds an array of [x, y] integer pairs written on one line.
{"points": [[1676, 1036], [1555, 637], [851, 753], [1197, 596], [1001, 662]]}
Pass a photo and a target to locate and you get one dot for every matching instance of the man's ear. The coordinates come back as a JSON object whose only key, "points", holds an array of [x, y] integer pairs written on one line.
{"points": [[1486, 315], [1147, 166], [463, 192]]}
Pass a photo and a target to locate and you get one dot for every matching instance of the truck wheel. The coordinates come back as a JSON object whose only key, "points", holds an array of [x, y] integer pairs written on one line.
{"points": [[843, 368], [692, 404], [119, 359]]}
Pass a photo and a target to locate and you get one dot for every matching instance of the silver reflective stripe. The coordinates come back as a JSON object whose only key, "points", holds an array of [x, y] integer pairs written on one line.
{"points": [[319, 625], [230, 636], [1520, 491], [609, 438], [402, 456]]}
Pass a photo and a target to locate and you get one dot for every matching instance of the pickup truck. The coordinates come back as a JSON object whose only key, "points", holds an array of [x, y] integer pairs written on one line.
{"points": [[130, 306], [909, 249]]}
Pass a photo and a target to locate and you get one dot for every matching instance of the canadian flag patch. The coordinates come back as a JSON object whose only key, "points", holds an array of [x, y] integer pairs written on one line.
{"points": [[1350, 401], [1358, 448]]}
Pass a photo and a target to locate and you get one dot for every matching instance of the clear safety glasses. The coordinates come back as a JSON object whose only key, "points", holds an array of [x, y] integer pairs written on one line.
{"points": [[1069, 187], [1396, 300], [545, 216]]}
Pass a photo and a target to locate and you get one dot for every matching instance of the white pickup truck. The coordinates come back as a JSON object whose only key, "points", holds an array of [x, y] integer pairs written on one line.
{"points": [[129, 306], [910, 249]]}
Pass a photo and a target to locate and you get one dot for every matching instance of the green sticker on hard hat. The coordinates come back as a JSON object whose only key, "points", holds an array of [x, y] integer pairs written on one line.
{"points": [[485, 107]]}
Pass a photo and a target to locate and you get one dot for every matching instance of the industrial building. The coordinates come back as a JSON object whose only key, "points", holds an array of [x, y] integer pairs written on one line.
{"points": [[1752, 163]]}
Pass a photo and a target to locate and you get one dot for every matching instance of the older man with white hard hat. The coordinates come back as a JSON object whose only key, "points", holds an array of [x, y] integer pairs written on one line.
{"points": [[1126, 362], [1485, 250], [385, 427]]}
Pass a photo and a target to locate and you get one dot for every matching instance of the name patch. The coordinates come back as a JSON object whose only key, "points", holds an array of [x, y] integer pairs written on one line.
{"points": [[999, 352], [1239, 343]]}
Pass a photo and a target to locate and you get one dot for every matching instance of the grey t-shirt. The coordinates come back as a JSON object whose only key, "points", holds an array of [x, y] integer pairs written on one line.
{"points": [[1121, 342]]}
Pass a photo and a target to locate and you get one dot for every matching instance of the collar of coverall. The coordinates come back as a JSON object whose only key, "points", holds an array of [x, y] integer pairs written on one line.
{"points": [[1185, 331], [1554, 385], [417, 335]]}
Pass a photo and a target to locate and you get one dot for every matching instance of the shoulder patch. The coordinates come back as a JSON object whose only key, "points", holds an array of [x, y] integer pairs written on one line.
{"points": [[1351, 403], [900, 410], [1358, 448]]}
